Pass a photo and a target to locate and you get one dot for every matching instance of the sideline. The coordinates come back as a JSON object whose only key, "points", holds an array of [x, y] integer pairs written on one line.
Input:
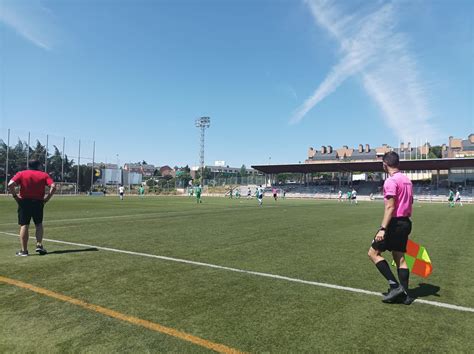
{"points": [[266, 275]]}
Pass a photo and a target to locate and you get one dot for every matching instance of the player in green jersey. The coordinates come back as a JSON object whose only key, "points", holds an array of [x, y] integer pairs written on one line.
{"points": [[451, 198], [198, 190]]}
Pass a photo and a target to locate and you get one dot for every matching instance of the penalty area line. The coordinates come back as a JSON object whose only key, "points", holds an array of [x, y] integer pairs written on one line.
{"points": [[260, 274]]}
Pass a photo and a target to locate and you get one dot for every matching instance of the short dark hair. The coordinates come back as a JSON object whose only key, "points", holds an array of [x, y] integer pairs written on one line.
{"points": [[34, 164], [391, 159]]}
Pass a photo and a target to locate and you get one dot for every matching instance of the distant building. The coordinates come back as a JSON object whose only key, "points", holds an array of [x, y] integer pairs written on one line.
{"points": [[458, 148], [111, 166], [167, 171], [144, 169]]}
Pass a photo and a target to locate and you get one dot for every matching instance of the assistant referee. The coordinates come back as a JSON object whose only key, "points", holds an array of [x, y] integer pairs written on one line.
{"points": [[394, 230], [31, 200]]}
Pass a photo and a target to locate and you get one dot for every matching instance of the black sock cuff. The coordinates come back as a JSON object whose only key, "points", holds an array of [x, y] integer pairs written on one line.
{"points": [[381, 263]]}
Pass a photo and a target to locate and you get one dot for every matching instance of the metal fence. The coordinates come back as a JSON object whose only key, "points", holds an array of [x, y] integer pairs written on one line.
{"points": [[235, 180], [20, 146]]}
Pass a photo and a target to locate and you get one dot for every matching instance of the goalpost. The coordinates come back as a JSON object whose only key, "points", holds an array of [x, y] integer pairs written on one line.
{"points": [[66, 188]]}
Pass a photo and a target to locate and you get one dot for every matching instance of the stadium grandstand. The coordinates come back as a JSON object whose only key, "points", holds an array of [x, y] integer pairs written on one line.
{"points": [[328, 170]]}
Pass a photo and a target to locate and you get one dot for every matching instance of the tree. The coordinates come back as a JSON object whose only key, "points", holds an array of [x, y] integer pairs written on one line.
{"points": [[17, 158], [56, 166], [85, 173], [243, 171], [435, 152], [207, 173], [38, 153], [183, 176]]}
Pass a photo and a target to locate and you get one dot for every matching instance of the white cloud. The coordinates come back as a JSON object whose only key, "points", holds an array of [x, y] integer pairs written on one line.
{"points": [[371, 48], [31, 20]]}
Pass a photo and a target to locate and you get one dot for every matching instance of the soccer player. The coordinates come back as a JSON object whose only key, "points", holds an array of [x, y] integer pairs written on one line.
{"points": [[275, 193], [260, 195], [121, 191], [394, 229], [457, 198], [249, 193], [198, 191], [451, 198], [339, 196], [353, 196], [349, 195], [31, 201], [141, 191]]}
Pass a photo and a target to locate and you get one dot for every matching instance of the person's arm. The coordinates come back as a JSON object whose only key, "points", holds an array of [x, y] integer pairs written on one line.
{"points": [[52, 190], [387, 216], [12, 189]]}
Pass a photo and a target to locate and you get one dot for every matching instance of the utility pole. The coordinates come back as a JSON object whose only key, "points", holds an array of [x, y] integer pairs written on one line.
{"points": [[93, 169], [202, 123], [6, 163]]}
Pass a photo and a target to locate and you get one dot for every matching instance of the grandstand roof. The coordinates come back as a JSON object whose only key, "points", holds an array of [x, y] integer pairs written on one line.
{"points": [[369, 166]]}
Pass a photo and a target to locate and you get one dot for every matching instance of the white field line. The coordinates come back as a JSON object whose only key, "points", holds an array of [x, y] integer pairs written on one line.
{"points": [[140, 216], [266, 275]]}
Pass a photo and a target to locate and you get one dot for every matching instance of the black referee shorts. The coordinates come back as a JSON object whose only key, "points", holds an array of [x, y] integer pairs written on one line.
{"points": [[30, 208], [396, 236]]}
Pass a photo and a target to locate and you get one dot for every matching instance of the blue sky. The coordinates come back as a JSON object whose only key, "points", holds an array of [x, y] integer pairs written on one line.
{"points": [[276, 77]]}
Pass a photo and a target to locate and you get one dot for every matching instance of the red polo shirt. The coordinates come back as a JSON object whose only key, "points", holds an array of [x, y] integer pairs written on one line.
{"points": [[32, 183]]}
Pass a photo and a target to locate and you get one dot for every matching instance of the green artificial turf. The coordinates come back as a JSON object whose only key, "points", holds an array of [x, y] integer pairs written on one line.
{"points": [[321, 241]]}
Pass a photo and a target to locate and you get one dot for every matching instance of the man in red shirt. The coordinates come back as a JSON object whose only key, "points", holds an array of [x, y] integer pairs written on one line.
{"points": [[31, 200]]}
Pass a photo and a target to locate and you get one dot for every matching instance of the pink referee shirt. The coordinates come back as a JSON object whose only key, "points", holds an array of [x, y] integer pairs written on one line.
{"points": [[400, 187]]}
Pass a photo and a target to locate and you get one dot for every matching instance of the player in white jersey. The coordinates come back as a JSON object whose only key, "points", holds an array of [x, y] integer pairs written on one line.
{"points": [[121, 191], [457, 198], [260, 195], [339, 196], [353, 196]]}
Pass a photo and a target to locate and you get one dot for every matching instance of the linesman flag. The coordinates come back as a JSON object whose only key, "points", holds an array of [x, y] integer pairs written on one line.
{"points": [[417, 259]]}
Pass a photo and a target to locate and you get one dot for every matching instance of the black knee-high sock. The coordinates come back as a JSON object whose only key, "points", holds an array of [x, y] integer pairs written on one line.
{"points": [[384, 269], [403, 276]]}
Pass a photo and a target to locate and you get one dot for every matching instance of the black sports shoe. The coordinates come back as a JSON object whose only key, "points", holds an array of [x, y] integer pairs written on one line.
{"points": [[393, 294], [408, 300], [41, 250], [22, 253]]}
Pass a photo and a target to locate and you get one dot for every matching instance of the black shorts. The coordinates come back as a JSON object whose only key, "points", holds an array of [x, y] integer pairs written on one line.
{"points": [[396, 236], [30, 208]]}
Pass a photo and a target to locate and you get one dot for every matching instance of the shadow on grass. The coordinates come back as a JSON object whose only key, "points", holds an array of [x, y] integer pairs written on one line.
{"points": [[424, 290], [73, 251]]}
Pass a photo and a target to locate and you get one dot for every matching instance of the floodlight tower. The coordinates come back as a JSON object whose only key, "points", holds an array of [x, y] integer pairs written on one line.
{"points": [[202, 123]]}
